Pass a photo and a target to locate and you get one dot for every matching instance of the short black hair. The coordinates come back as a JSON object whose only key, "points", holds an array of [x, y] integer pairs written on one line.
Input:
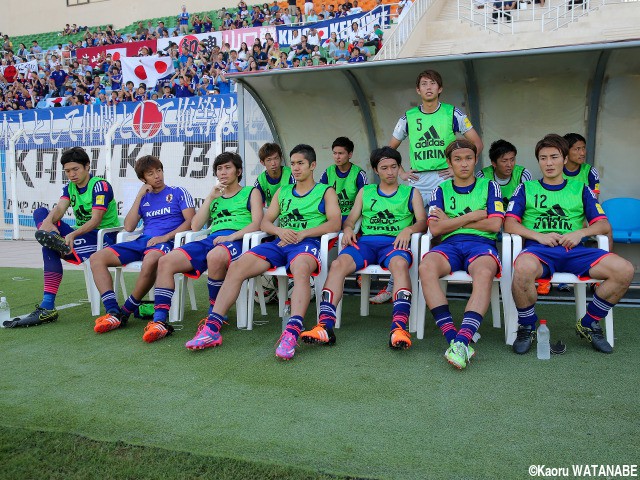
{"points": [[343, 142], [500, 148], [384, 152], [574, 138], [228, 157], [306, 151], [75, 154]]}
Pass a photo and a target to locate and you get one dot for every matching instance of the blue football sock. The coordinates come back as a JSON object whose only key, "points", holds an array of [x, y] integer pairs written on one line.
{"points": [[162, 304], [596, 310], [295, 326], [527, 316], [444, 321], [215, 321], [470, 324], [110, 303]]}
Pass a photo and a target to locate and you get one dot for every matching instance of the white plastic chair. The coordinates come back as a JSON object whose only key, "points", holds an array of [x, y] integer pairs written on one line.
{"points": [[370, 270], [92, 291], [461, 276], [281, 274], [118, 283], [185, 283], [579, 288]]}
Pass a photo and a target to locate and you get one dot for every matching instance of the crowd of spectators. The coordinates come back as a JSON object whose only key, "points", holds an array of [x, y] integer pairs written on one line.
{"points": [[73, 81]]}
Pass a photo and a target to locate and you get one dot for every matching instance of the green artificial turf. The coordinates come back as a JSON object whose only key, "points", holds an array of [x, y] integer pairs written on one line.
{"points": [[357, 409]]}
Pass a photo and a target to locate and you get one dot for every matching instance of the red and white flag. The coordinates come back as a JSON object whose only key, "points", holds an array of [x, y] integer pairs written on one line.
{"points": [[116, 53], [147, 70], [53, 101]]}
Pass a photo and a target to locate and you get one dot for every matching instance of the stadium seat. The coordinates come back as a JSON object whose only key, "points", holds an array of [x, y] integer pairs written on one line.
{"points": [[186, 283], [503, 282], [281, 274], [624, 216], [370, 270], [580, 289]]}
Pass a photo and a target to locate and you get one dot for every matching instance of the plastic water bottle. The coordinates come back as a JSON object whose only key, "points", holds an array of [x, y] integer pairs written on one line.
{"points": [[5, 315], [543, 341], [286, 314]]}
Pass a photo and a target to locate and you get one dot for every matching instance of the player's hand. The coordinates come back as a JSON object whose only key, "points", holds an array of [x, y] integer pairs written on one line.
{"points": [[549, 239], [217, 191], [445, 174], [570, 240], [69, 238], [287, 237], [47, 226], [479, 215], [408, 176], [146, 188], [403, 240], [348, 237], [155, 241], [222, 239], [436, 214]]}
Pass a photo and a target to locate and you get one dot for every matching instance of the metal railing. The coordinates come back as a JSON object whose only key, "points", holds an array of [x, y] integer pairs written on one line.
{"points": [[406, 24], [555, 14]]}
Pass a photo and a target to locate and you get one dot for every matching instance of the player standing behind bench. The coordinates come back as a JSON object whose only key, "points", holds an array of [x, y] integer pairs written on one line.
{"points": [[165, 211], [550, 215], [391, 213], [275, 174], [306, 211], [346, 178], [467, 212], [94, 207]]}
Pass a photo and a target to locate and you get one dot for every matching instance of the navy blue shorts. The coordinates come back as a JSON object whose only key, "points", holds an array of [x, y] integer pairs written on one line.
{"points": [[135, 250], [577, 260], [197, 252], [375, 250], [460, 254], [284, 256]]}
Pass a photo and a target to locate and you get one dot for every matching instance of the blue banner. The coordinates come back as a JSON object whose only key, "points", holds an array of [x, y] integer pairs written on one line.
{"points": [[149, 121], [365, 20]]}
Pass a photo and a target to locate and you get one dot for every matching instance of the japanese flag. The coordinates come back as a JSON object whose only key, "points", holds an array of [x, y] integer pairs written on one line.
{"points": [[53, 101], [116, 53], [146, 70]]}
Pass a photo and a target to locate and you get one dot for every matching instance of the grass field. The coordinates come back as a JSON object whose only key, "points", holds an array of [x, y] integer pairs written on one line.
{"points": [[79, 405]]}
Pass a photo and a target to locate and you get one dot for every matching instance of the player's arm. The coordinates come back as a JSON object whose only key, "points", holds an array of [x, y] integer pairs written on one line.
{"points": [[349, 224], [48, 224], [255, 202], [403, 240], [270, 216], [201, 217], [94, 222], [597, 223], [441, 224], [474, 138], [495, 211], [133, 216], [334, 217]]}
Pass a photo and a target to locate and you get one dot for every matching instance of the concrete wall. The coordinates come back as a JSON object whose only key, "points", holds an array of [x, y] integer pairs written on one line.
{"points": [[49, 16]]}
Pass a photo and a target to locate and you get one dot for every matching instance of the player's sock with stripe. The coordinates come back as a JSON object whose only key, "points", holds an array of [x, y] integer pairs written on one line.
{"points": [[214, 287], [527, 316], [52, 277], [596, 310], [444, 321], [215, 321], [130, 305], [327, 310], [401, 309], [470, 323], [109, 301], [295, 326], [162, 304]]}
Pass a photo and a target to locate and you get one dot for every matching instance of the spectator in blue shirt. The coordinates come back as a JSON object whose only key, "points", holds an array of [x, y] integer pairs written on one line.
{"points": [[183, 21]]}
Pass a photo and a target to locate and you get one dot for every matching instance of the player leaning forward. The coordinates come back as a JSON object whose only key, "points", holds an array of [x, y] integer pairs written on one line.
{"points": [[550, 215], [94, 207]]}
